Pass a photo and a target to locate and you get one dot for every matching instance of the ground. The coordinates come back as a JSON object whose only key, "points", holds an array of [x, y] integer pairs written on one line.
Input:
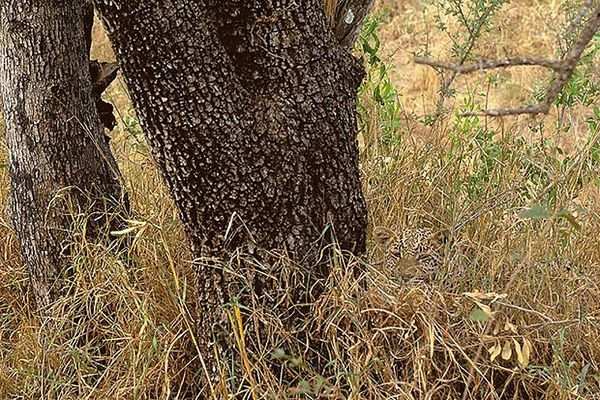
{"points": [[512, 313]]}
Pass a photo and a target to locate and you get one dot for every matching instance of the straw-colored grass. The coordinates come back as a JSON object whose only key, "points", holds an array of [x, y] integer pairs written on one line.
{"points": [[509, 282]]}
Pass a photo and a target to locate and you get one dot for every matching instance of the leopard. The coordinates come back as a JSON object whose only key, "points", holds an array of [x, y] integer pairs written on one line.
{"points": [[416, 254]]}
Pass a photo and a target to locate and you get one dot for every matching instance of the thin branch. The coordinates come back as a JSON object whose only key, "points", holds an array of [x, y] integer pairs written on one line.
{"points": [[581, 14], [482, 65], [541, 108], [474, 34], [564, 69]]}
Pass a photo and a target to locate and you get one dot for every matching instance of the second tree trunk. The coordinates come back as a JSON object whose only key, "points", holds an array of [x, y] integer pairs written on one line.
{"points": [[60, 163]]}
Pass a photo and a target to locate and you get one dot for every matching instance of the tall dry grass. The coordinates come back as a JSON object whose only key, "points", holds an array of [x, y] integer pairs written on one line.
{"points": [[508, 280]]}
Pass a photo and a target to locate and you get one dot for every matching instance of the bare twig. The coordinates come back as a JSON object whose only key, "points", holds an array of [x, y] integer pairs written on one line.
{"points": [[541, 108], [490, 64], [474, 34], [563, 68]]}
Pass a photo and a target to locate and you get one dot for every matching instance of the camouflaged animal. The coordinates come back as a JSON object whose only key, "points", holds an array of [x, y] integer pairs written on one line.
{"points": [[416, 254]]}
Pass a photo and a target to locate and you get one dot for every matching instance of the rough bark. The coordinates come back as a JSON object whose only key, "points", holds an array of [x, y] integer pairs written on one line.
{"points": [[54, 137], [347, 17], [250, 109], [266, 131]]}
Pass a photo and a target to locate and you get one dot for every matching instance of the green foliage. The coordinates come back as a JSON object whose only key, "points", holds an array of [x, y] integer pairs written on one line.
{"points": [[569, 374], [593, 121], [478, 153], [583, 88], [474, 16], [475, 146], [378, 86]]}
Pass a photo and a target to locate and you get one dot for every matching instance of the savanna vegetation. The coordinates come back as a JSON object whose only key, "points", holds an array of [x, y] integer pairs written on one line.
{"points": [[513, 312]]}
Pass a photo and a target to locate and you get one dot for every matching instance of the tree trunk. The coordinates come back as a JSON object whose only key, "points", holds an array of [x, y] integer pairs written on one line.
{"points": [[347, 17], [55, 141], [250, 110]]}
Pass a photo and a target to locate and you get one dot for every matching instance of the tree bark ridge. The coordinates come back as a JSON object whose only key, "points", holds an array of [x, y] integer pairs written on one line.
{"points": [[53, 134], [250, 110]]}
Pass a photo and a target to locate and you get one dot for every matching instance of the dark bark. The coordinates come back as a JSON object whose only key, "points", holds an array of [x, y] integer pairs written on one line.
{"points": [[54, 137], [266, 131], [250, 109]]}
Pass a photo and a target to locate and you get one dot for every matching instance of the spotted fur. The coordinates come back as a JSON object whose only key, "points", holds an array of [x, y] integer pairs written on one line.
{"points": [[416, 254]]}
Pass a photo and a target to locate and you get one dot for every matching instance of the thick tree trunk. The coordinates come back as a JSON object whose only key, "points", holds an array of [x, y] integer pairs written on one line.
{"points": [[250, 109], [54, 137], [263, 128]]}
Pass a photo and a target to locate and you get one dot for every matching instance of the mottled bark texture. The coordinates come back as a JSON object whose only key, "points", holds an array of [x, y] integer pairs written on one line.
{"points": [[346, 18], [250, 109], [53, 134]]}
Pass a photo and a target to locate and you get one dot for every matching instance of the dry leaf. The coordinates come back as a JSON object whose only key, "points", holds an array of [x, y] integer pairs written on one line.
{"points": [[495, 351], [527, 348], [510, 327], [496, 329], [520, 356], [506, 351]]}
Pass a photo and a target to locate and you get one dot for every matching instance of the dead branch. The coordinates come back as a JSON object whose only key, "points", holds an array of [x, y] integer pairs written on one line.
{"points": [[563, 68]]}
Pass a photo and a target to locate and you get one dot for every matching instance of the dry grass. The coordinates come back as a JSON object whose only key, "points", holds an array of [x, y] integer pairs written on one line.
{"points": [[127, 332]]}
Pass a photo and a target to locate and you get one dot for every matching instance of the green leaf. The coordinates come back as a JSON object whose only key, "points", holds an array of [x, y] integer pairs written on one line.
{"points": [[478, 315], [377, 95], [304, 388], [279, 354], [535, 212]]}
